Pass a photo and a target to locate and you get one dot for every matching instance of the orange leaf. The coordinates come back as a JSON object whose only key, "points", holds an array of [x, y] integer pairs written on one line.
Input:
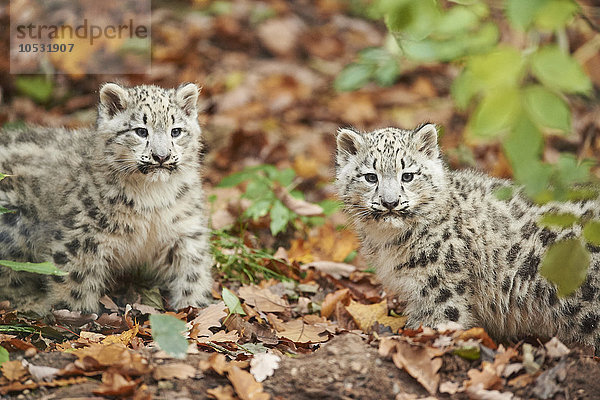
{"points": [[365, 315], [246, 386], [13, 370], [170, 371], [114, 384], [328, 306], [418, 362]]}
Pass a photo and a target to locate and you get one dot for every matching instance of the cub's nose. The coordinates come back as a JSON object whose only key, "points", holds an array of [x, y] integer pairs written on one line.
{"points": [[390, 205], [160, 158]]}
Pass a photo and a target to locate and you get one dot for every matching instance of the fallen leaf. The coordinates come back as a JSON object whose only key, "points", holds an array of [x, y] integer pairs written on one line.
{"points": [[331, 300], [109, 303], [300, 207], [521, 381], [487, 378], [73, 318], [263, 299], [222, 393], [365, 315], [335, 269], [114, 384], [245, 385], [299, 332], [13, 370], [449, 387], [91, 337], [124, 338], [478, 333], [217, 362], [478, 393], [42, 373], [220, 337], [419, 363], [170, 371], [210, 317], [556, 349], [264, 365], [115, 355]]}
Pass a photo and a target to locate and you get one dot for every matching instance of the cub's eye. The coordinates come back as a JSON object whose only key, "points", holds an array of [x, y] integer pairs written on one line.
{"points": [[371, 178], [141, 132], [407, 177], [175, 132]]}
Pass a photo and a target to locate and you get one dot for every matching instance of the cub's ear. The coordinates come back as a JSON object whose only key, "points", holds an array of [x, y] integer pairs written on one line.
{"points": [[187, 97], [425, 139], [113, 99], [348, 142]]}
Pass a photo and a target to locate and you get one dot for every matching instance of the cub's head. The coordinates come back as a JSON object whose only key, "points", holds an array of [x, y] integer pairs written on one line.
{"points": [[390, 175], [149, 131]]}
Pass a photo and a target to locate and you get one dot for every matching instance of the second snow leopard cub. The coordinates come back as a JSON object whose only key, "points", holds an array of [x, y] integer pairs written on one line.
{"points": [[99, 201], [451, 249]]}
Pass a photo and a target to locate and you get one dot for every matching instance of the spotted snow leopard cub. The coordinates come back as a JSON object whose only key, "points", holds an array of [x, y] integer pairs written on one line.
{"points": [[451, 249], [99, 201]]}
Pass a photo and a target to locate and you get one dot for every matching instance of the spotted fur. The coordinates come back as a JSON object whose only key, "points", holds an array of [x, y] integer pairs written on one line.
{"points": [[98, 202], [451, 249]]}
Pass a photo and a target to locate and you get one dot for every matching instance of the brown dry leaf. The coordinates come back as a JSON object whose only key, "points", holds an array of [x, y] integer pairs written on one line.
{"points": [[114, 384], [13, 370], [556, 349], [335, 269], [419, 363], [109, 303], [90, 337], [245, 385], [170, 371], [300, 207], [263, 299], [251, 331], [117, 355], [487, 377], [300, 332], [478, 333], [521, 381], [210, 317], [217, 362], [222, 393], [365, 315], [331, 300], [220, 337]]}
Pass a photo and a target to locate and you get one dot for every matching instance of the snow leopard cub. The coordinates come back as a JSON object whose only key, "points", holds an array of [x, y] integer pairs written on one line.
{"points": [[97, 202], [451, 249]]}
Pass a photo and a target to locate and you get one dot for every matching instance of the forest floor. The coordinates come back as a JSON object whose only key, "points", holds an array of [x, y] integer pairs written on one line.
{"points": [[315, 323]]}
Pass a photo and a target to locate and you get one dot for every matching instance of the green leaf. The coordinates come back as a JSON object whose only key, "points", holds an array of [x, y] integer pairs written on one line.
{"points": [[414, 19], [555, 14], [565, 264], [167, 332], [3, 355], [504, 193], [521, 13], [258, 209], [4, 210], [591, 232], [152, 297], [280, 216], [36, 87], [236, 178], [523, 145], [330, 206], [464, 88], [232, 302], [457, 20], [353, 77], [500, 68], [495, 114], [258, 189], [547, 109], [387, 72], [563, 220], [571, 171], [535, 176], [45, 268], [560, 71], [285, 176], [470, 353], [2, 176]]}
